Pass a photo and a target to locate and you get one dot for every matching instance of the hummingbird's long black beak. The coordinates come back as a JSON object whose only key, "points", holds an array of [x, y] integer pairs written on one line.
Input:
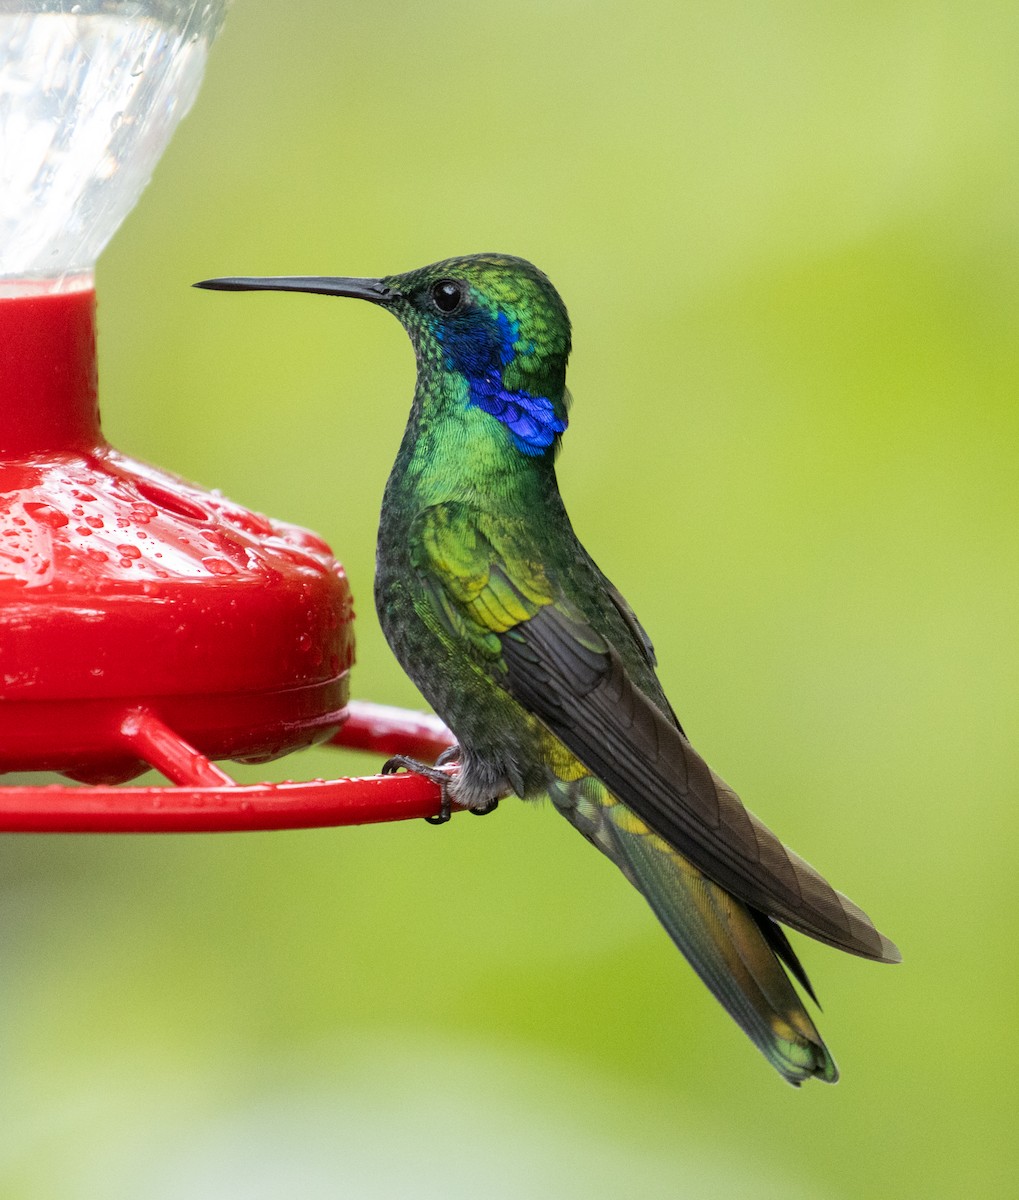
{"points": [[325, 285]]}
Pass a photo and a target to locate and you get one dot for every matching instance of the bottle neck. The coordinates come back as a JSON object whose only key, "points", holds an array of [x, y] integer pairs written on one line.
{"points": [[48, 398]]}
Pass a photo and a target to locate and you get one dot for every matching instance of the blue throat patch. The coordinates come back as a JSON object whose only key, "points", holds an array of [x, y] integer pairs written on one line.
{"points": [[530, 419]]}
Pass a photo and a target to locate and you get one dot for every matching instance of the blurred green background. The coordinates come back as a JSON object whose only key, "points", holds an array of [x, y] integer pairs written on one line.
{"points": [[787, 236]]}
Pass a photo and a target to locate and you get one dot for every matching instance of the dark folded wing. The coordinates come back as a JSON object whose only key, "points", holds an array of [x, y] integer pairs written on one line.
{"points": [[577, 684]]}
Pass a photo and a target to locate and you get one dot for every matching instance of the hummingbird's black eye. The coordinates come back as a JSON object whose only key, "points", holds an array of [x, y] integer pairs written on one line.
{"points": [[447, 296]]}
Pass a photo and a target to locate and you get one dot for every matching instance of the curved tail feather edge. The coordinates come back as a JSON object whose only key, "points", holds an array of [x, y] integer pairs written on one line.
{"points": [[719, 935]]}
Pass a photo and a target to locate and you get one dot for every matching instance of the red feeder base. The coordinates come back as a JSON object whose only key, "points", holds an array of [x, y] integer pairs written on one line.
{"points": [[213, 803]]}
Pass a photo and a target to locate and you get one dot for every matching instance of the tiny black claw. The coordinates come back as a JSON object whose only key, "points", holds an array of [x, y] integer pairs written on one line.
{"points": [[444, 813], [490, 807], [398, 762]]}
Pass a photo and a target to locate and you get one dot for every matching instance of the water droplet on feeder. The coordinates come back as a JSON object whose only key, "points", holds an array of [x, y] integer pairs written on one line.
{"points": [[46, 514], [219, 566]]}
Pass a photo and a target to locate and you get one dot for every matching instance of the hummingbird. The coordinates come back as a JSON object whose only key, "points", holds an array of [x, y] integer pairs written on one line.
{"points": [[540, 667]]}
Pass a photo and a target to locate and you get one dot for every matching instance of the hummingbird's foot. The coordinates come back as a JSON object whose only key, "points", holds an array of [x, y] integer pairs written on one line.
{"points": [[477, 810], [441, 774]]}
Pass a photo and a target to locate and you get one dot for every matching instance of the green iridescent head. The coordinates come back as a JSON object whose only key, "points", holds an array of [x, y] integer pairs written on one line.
{"points": [[497, 322], [491, 320]]}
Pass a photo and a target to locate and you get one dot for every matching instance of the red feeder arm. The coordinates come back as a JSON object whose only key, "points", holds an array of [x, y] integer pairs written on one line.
{"points": [[147, 623]]}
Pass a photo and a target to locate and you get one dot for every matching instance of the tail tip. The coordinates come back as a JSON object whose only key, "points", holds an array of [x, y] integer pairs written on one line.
{"points": [[890, 953], [801, 1057]]}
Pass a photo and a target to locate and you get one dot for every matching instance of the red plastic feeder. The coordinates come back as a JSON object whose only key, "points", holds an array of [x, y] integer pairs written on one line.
{"points": [[143, 622], [147, 623]]}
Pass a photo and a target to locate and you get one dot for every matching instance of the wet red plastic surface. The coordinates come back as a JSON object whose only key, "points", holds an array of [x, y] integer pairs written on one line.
{"points": [[206, 800], [146, 622], [314, 803], [123, 586]]}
